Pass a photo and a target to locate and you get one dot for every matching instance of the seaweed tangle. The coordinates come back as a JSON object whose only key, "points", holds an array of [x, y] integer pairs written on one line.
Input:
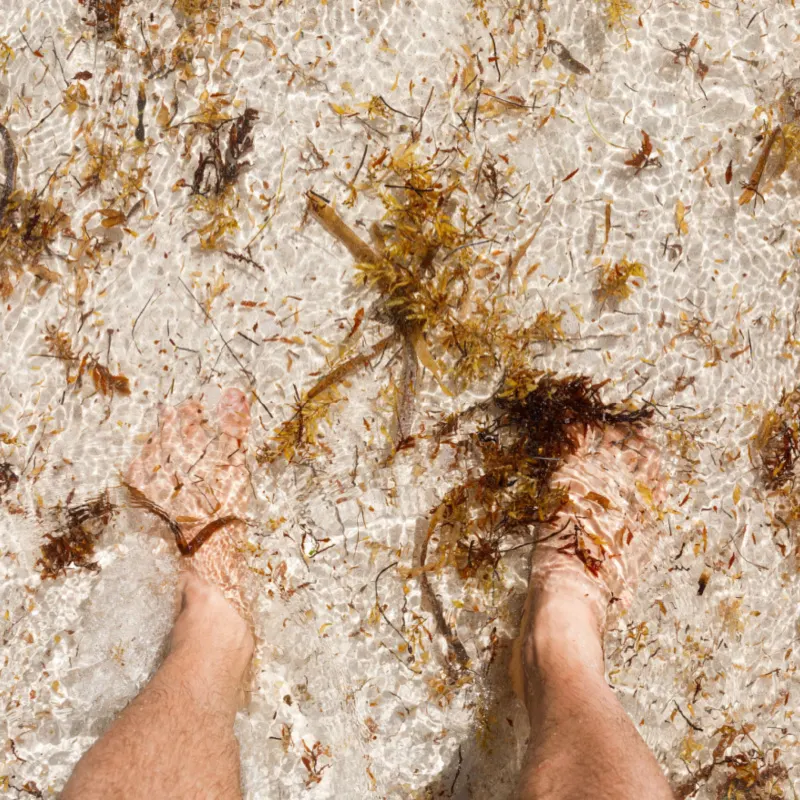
{"points": [[28, 226], [106, 16], [8, 478], [434, 289], [74, 542], [219, 167], [780, 147], [777, 442], [750, 774], [774, 451], [10, 167]]}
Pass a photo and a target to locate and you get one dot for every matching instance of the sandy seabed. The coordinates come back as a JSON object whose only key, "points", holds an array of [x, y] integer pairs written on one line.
{"points": [[540, 106]]}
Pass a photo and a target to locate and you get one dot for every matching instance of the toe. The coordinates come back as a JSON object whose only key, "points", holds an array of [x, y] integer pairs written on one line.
{"points": [[233, 414]]}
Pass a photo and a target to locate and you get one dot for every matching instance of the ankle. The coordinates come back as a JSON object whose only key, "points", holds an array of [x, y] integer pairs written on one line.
{"points": [[210, 637], [565, 635]]}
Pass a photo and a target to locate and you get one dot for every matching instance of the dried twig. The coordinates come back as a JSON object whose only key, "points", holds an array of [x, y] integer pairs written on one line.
{"points": [[10, 166]]}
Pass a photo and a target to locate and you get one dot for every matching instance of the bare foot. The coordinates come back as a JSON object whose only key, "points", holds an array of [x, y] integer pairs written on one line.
{"points": [[196, 472], [588, 559]]}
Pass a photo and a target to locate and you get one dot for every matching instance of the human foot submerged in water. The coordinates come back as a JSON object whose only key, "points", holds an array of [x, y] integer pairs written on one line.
{"points": [[587, 560], [195, 471]]}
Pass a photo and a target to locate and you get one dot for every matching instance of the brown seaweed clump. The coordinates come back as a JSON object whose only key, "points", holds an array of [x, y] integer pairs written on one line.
{"points": [[617, 281], [105, 382], [774, 451], [74, 541], [752, 773], [219, 167], [529, 427], [27, 233], [777, 443], [436, 290], [227, 141], [780, 147], [106, 15], [8, 478], [29, 224]]}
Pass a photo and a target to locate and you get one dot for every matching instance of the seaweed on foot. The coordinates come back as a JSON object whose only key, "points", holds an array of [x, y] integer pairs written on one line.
{"points": [[529, 426], [74, 541]]}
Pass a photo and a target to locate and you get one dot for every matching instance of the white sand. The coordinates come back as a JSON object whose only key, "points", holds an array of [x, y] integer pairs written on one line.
{"points": [[77, 649]]}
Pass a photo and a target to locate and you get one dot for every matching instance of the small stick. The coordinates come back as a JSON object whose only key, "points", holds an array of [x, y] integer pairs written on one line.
{"points": [[10, 165], [339, 373], [424, 110], [244, 259], [688, 721], [396, 110], [323, 212], [44, 118], [495, 59], [138, 317], [360, 164], [245, 371], [751, 187], [380, 607]]}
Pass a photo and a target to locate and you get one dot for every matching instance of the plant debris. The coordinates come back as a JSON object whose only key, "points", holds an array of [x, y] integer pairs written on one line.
{"points": [[59, 345], [10, 170], [777, 442], [218, 168], [106, 17], [8, 478], [568, 61], [435, 290], [29, 225], [186, 547], [750, 774], [74, 541], [642, 158], [616, 281]]}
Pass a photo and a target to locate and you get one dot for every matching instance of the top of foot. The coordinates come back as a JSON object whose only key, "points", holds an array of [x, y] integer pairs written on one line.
{"points": [[194, 469], [601, 538]]}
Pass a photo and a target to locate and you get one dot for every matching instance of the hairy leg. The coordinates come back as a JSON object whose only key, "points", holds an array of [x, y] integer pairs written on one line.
{"points": [[175, 740], [582, 742]]}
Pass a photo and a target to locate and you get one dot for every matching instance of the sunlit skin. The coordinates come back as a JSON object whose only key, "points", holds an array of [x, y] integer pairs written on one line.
{"points": [[176, 738]]}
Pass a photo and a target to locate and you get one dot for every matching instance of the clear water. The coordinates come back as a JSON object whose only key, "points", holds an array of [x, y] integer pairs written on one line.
{"points": [[77, 649]]}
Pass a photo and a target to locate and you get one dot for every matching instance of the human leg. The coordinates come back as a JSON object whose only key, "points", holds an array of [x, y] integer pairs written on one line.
{"points": [[582, 743], [175, 740]]}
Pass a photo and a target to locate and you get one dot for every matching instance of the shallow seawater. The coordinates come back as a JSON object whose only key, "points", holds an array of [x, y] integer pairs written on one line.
{"points": [[145, 274]]}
